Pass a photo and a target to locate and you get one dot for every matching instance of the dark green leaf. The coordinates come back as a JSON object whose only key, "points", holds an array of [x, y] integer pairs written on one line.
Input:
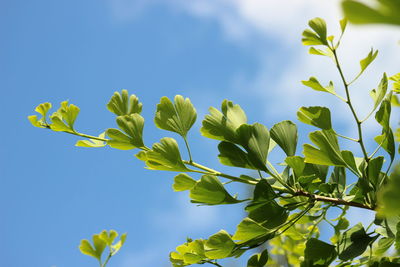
{"points": [[163, 156], [255, 140], [183, 182], [269, 214], [222, 126], [318, 253], [231, 155], [285, 135], [258, 260], [316, 116], [209, 190], [263, 192], [176, 117], [122, 104], [354, 242], [374, 170]]}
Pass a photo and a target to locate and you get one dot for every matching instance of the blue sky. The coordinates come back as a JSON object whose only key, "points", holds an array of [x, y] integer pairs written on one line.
{"points": [[54, 194]]}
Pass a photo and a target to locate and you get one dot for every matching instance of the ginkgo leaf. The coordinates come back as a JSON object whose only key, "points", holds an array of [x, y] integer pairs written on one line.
{"points": [[365, 62], [258, 260], [209, 190], [223, 125], [317, 116], [132, 126], [320, 52], [285, 135], [122, 104], [92, 142], [377, 95], [328, 151], [164, 156], [313, 83], [177, 117], [319, 34], [183, 182], [318, 253], [219, 245], [247, 230], [64, 118], [42, 109]]}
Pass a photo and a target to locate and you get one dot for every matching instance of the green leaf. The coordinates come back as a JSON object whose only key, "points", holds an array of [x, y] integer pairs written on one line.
{"points": [[209, 190], [285, 135], [377, 95], [183, 182], [92, 142], [397, 240], [386, 141], [176, 117], [328, 152], [386, 12], [117, 246], [269, 214], [318, 253], [383, 245], [164, 156], [222, 126], [343, 24], [108, 237], [396, 84], [42, 109], [258, 260], [318, 36], [382, 116], [189, 253], [86, 248], [354, 242], [320, 52], [231, 155], [364, 63], [122, 104], [255, 140], [64, 118], [313, 83], [219, 245], [249, 229], [389, 197], [132, 126], [263, 192], [316, 116], [374, 171], [350, 161]]}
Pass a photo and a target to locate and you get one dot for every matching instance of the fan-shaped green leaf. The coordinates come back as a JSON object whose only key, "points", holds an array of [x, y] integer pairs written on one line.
{"points": [[209, 190], [328, 152], [231, 155], [92, 142], [354, 242], [247, 230], [318, 253], [164, 156], [122, 104], [285, 135], [255, 140], [132, 125], [42, 109], [318, 36], [313, 83], [258, 260], [175, 117], [222, 126], [317, 116], [64, 118], [219, 245], [183, 182]]}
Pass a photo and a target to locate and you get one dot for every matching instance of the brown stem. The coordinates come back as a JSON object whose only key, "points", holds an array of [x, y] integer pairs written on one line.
{"points": [[336, 201]]}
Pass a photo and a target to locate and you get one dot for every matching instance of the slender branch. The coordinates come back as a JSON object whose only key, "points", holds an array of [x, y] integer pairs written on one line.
{"points": [[106, 261], [291, 223], [346, 87], [336, 201], [348, 138], [188, 149], [214, 263]]}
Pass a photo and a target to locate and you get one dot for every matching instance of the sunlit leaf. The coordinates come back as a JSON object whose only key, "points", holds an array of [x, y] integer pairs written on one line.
{"points": [[232, 155], [164, 156], [177, 117], [92, 142], [328, 152], [365, 62], [389, 197], [122, 104], [396, 84], [377, 95], [42, 109], [117, 246], [285, 135], [219, 245], [247, 230], [317, 116], [132, 135], [318, 35], [384, 12], [209, 190], [183, 182], [222, 125], [64, 118], [313, 83], [320, 52]]}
